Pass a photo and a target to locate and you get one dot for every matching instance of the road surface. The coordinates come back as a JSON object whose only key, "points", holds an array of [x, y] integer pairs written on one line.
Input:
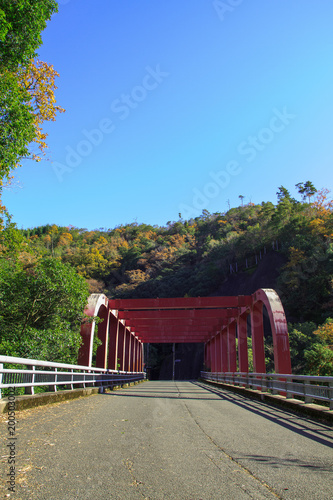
{"points": [[168, 440]]}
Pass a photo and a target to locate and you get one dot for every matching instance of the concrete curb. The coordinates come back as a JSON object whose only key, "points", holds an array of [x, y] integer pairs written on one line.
{"points": [[314, 411], [44, 398]]}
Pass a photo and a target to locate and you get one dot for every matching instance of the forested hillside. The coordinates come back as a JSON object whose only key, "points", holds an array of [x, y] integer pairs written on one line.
{"points": [[287, 245]]}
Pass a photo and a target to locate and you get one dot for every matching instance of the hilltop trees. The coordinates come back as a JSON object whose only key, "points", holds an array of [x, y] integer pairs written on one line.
{"points": [[306, 189]]}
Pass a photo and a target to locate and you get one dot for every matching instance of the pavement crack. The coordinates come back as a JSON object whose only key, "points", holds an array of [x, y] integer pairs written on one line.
{"points": [[130, 466], [232, 459]]}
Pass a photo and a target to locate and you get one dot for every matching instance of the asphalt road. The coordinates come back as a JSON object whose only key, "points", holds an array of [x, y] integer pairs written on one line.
{"points": [[168, 440]]}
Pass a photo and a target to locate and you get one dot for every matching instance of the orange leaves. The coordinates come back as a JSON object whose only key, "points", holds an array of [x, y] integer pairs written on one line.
{"points": [[149, 235], [318, 226], [296, 257], [124, 245], [322, 204], [323, 223], [137, 276], [177, 240], [325, 333], [65, 239], [47, 240], [39, 80]]}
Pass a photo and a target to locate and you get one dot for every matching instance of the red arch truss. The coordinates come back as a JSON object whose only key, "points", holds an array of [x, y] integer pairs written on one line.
{"points": [[215, 321]]}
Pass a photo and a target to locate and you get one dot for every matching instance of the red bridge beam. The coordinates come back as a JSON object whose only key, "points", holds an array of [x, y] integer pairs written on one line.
{"points": [[177, 339], [180, 314], [181, 303], [155, 323], [175, 331]]}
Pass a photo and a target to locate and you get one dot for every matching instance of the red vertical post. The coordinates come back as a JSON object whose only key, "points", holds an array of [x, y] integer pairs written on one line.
{"points": [[215, 354], [136, 369], [132, 352], [243, 360], [84, 352], [113, 342], [224, 350], [139, 368], [121, 346], [232, 359], [211, 355], [218, 352], [208, 361], [135, 353], [258, 347], [127, 350], [141, 357], [103, 331]]}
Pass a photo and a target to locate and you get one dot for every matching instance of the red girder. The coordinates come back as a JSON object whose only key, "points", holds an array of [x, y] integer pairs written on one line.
{"points": [[181, 303], [174, 330], [153, 322], [175, 340], [180, 314]]}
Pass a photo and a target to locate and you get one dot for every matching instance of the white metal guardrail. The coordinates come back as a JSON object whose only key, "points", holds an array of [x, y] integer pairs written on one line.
{"points": [[32, 373], [305, 387]]}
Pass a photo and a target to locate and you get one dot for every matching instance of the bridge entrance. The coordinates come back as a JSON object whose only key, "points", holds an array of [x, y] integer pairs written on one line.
{"points": [[174, 361]]}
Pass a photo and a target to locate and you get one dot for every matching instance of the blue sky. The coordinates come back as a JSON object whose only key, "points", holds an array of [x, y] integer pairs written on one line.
{"points": [[175, 107]]}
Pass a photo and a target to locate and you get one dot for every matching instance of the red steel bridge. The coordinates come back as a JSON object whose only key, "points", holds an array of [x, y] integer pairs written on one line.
{"points": [[215, 321]]}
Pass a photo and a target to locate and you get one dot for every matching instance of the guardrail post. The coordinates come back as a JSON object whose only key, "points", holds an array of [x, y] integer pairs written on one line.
{"points": [[1, 377], [307, 399], [330, 394], [289, 394], [263, 384], [53, 387], [72, 378], [31, 390]]}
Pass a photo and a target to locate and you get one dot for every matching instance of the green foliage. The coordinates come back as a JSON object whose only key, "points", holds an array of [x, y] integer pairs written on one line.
{"points": [[41, 309], [320, 360], [301, 338], [319, 355], [16, 122], [21, 24]]}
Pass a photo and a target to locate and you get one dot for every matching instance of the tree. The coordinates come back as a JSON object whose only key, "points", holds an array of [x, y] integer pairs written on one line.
{"points": [[241, 198], [306, 189], [320, 360], [21, 24], [41, 309], [283, 194], [26, 87]]}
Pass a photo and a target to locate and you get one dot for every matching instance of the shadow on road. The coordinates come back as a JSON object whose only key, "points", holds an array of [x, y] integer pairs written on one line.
{"points": [[277, 462], [280, 417], [199, 391]]}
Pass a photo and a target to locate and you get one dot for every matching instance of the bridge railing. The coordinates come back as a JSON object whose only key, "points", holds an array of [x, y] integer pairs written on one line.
{"points": [[304, 387], [31, 373]]}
